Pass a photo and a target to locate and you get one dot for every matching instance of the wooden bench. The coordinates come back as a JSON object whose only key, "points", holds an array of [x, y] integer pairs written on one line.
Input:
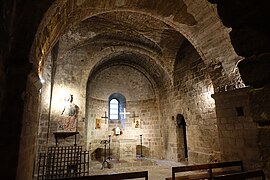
{"points": [[241, 175], [129, 175], [205, 171]]}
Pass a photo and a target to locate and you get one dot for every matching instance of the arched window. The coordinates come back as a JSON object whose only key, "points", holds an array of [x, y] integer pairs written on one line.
{"points": [[114, 109], [117, 104]]}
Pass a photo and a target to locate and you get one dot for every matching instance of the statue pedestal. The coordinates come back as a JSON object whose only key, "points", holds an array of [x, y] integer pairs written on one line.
{"points": [[63, 135], [124, 149]]}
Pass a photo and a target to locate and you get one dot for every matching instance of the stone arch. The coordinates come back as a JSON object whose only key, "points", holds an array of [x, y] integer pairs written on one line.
{"points": [[99, 57], [110, 53], [181, 137], [61, 16], [106, 61], [193, 87]]}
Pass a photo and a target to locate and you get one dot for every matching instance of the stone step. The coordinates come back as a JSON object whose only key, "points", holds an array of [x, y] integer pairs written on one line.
{"points": [[135, 163], [123, 164]]}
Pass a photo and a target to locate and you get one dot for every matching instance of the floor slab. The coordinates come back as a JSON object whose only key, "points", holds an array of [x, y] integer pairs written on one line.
{"points": [[157, 169]]}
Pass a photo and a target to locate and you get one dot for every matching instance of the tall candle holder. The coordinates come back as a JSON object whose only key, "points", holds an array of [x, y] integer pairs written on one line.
{"points": [[141, 146], [109, 148], [105, 162]]}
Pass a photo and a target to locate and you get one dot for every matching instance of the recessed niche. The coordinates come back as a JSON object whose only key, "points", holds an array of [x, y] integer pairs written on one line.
{"points": [[239, 111]]}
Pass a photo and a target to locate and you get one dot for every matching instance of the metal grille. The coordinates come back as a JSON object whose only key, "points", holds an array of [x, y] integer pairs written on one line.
{"points": [[65, 161]]}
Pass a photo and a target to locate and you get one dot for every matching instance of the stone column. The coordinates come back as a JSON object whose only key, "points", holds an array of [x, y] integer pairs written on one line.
{"points": [[11, 117], [28, 145]]}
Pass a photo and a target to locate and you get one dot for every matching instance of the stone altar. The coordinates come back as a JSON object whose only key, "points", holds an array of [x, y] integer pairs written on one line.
{"points": [[124, 149]]}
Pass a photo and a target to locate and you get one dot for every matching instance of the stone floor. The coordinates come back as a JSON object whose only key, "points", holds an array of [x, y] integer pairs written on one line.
{"points": [[157, 169]]}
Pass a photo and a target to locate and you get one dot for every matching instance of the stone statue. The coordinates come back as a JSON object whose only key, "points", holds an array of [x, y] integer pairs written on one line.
{"points": [[70, 109], [68, 120]]}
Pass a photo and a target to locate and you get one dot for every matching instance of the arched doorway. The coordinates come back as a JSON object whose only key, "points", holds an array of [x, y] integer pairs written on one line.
{"points": [[181, 138]]}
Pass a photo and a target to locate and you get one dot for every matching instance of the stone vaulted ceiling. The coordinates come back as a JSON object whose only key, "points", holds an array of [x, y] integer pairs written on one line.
{"points": [[125, 27], [128, 31], [144, 25]]}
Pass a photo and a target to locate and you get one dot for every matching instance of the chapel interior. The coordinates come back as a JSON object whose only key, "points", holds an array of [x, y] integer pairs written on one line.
{"points": [[175, 80]]}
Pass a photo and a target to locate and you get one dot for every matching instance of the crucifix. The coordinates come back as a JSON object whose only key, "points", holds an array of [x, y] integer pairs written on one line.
{"points": [[124, 121], [134, 116], [125, 113], [105, 117]]}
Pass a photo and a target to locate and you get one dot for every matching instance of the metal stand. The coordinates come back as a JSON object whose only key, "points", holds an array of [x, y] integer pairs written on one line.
{"points": [[105, 162], [109, 148], [141, 146]]}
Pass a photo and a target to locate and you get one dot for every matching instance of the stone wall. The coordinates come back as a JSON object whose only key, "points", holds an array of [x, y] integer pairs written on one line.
{"points": [[150, 127], [264, 149], [140, 99], [243, 126], [122, 79], [96, 110], [191, 97], [259, 103], [53, 101], [238, 133]]}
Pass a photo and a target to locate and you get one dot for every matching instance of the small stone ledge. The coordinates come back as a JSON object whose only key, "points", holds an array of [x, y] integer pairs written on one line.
{"points": [[231, 93], [258, 100]]}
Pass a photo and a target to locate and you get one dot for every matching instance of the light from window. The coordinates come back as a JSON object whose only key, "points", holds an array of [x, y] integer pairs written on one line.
{"points": [[114, 109]]}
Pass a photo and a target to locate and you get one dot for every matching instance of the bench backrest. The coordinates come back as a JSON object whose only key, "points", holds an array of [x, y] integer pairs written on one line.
{"points": [[129, 175], [241, 175], [188, 168], [225, 165], [209, 167]]}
